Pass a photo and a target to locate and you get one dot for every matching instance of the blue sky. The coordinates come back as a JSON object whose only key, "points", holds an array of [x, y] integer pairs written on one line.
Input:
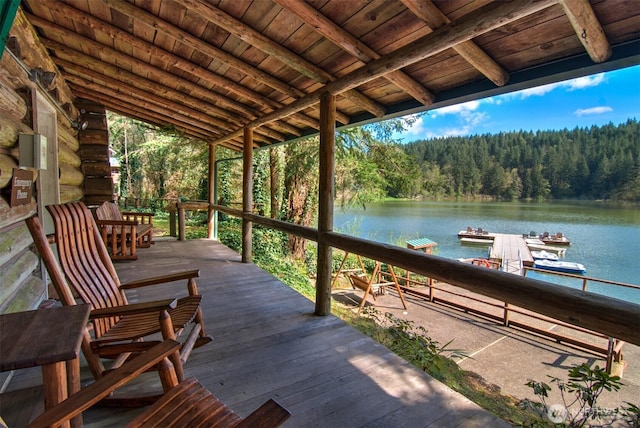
{"points": [[612, 97]]}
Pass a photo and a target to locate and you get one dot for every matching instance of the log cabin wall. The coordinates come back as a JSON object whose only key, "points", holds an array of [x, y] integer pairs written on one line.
{"points": [[21, 284], [94, 152]]}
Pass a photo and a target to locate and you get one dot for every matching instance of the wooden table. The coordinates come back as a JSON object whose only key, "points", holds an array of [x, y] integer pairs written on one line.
{"points": [[49, 338]]}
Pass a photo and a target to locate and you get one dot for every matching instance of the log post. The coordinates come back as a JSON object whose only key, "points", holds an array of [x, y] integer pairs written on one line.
{"points": [[247, 196], [325, 191], [213, 214]]}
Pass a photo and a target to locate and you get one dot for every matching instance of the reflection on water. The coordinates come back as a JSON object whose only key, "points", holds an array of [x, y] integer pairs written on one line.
{"points": [[604, 237]]}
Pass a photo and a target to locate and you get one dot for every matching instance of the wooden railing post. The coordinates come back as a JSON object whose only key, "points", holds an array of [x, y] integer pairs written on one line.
{"points": [[212, 214], [182, 224], [247, 195], [325, 209], [172, 221], [505, 318]]}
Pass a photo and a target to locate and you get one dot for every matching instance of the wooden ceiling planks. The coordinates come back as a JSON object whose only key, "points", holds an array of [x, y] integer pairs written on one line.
{"points": [[212, 67]]}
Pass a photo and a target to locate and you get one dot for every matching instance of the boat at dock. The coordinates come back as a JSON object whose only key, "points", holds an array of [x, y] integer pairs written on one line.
{"points": [[485, 242], [557, 238], [560, 251], [560, 266], [544, 255], [478, 233]]}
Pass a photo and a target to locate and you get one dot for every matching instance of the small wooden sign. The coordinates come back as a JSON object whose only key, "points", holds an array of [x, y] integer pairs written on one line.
{"points": [[21, 187]]}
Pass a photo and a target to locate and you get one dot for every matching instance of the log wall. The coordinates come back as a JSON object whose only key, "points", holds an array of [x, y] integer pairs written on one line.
{"points": [[21, 284]]}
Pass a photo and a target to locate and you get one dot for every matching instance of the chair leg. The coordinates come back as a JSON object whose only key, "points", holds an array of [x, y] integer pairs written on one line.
{"points": [[166, 327], [203, 339]]}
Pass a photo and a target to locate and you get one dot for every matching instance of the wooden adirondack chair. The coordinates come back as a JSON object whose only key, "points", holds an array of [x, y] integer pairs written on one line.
{"points": [[117, 328], [186, 404], [123, 233]]}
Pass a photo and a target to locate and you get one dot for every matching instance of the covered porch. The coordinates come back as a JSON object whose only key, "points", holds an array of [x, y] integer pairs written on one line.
{"points": [[269, 344]]}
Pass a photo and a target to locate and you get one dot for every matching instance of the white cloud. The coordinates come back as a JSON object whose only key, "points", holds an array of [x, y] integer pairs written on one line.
{"points": [[585, 82], [592, 110], [456, 109], [454, 132], [538, 91], [569, 85]]}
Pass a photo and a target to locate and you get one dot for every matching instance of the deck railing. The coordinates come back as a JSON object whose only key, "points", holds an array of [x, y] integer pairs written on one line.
{"points": [[610, 317], [583, 279], [502, 313]]}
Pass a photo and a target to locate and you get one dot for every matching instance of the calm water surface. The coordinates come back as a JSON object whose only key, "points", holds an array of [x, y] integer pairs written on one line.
{"points": [[604, 237]]}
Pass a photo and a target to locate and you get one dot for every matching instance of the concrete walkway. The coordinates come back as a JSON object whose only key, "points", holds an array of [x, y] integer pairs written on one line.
{"points": [[504, 356]]}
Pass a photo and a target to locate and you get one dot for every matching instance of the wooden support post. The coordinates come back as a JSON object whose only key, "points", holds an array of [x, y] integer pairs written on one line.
{"points": [[505, 318], [247, 196], [212, 217], [182, 224], [172, 221], [325, 200]]}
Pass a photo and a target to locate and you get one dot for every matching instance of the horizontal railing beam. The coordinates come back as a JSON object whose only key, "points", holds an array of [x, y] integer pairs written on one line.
{"points": [[606, 315]]}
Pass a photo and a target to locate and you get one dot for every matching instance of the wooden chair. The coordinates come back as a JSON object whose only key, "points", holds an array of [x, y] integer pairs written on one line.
{"points": [[185, 404], [117, 328], [124, 232]]}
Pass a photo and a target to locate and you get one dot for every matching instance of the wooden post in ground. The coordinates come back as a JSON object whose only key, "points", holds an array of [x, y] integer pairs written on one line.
{"points": [[247, 196], [212, 214], [325, 201]]}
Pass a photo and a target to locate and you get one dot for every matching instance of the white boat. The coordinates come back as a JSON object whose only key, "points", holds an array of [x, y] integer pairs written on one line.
{"points": [[544, 255], [476, 241], [556, 266], [561, 251]]}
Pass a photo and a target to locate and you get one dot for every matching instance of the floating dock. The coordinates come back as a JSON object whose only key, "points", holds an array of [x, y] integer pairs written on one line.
{"points": [[512, 251]]}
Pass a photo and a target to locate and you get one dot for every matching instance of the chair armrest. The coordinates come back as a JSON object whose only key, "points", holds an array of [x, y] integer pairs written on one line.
{"points": [[116, 223], [141, 214], [134, 308], [189, 274], [270, 414], [98, 390]]}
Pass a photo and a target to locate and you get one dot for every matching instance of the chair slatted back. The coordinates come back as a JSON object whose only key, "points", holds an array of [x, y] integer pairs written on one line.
{"points": [[85, 261], [109, 211]]}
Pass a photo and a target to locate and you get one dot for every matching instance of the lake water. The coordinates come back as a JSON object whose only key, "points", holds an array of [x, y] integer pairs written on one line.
{"points": [[605, 237]]}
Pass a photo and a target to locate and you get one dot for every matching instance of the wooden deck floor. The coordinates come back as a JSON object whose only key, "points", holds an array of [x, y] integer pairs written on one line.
{"points": [[268, 344]]}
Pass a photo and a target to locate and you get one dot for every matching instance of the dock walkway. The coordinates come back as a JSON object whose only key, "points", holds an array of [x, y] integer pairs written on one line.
{"points": [[512, 251]]}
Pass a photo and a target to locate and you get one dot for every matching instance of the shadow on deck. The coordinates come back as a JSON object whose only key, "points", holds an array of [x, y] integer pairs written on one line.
{"points": [[268, 344]]}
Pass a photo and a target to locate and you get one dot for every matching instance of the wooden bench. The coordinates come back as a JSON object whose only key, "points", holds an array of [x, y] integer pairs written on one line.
{"points": [[187, 403], [124, 232]]}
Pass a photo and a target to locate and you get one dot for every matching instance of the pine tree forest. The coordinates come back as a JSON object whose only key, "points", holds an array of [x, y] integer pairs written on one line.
{"points": [[584, 163]]}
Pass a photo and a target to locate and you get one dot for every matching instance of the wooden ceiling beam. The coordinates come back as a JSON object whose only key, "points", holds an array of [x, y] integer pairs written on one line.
{"points": [[144, 91], [472, 25], [213, 52], [153, 51], [70, 58], [219, 55], [159, 54], [111, 97], [145, 69], [471, 52], [291, 59], [146, 101], [588, 28], [130, 110], [74, 57], [346, 41]]}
